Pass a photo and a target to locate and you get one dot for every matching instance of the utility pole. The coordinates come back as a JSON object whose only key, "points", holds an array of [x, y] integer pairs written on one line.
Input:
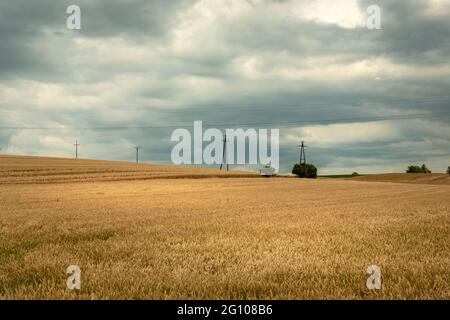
{"points": [[302, 156], [224, 153], [76, 149], [137, 152]]}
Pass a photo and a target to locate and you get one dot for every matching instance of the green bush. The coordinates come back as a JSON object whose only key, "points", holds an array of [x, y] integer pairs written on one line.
{"points": [[299, 170], [448, 170], [355, 174], [417, 169]]}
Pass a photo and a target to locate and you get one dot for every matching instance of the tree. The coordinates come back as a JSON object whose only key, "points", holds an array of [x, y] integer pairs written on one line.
{"points": [[355, 174], [417, 169], [448, 170], [310, 172], [425, 169], [413, 169]]}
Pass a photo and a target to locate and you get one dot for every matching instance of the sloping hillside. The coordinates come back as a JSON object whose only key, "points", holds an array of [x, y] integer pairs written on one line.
{"points": [[418, 178], [22, 169]]}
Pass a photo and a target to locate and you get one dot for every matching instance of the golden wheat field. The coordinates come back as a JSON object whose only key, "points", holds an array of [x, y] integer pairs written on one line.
{"points": [[136, 237], [416, 178]]}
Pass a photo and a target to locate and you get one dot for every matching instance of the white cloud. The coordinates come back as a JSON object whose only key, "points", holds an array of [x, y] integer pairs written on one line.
{"points": [[438, 7], [345, 133], [345, 13]]}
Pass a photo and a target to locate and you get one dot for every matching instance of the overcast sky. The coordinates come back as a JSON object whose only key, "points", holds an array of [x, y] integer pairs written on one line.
{"points": [[306, 67]]}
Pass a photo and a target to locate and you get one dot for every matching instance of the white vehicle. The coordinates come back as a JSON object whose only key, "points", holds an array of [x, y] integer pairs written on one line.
{"points": [[267, 171]]}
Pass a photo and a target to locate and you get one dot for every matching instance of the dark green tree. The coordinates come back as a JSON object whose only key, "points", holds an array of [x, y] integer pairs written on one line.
{"points": [[302, 171], [417, 169]]}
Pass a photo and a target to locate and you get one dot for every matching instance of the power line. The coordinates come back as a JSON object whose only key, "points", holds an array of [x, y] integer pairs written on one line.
{"points": [[310, 104], [303, 158], [225, 108], [224, 153], [302, 154], [76, 149], [137, 152], [280, 124]]}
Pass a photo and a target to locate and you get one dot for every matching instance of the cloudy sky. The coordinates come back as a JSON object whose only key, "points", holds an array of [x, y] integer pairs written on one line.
{"points": [[138, 69]]}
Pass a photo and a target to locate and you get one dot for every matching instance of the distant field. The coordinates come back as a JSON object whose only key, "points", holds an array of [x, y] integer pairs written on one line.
{"points": [[417, 178], [237, 238], [336, 176], [18, 170]]}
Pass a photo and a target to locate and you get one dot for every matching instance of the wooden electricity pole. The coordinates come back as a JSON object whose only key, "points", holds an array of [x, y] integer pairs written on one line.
{"points": [[303, 156], [224, 153], [137, 152], [76, 149]]}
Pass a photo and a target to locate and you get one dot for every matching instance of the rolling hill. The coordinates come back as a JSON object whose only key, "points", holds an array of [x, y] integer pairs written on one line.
{"points": [[416, 178], [25, 169]]}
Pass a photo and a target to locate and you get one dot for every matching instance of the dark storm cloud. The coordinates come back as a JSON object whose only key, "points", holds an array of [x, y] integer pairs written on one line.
{"points": [[102, 18], [141, 18], [412, 35], [34, 37]]}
